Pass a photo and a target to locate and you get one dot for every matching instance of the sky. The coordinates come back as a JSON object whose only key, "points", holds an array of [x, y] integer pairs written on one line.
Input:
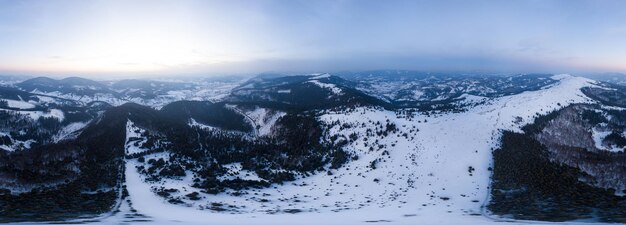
{"points": [[163, 37]]}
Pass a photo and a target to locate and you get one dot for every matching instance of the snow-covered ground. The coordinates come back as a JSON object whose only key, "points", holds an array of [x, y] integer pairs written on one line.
{"points": [[194, 123], [332, 87], [236, 171], [599, 133], [69, 131], [421, 178], [261, 119], [35, 115], [18, 104], [108, 98], [134, 138], [16, 143]]}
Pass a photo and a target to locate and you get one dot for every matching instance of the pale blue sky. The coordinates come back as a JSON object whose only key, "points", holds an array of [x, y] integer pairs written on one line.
{"points": [[84, 37]]}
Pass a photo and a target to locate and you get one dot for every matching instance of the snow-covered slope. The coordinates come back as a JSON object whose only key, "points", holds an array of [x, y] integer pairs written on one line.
{"points": [[134, 138], [262, 119], [408, 169]]}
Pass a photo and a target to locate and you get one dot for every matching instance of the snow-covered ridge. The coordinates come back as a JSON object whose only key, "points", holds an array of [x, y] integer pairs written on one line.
{"points": [[319, 76], [332, 87], [315, 79], [561, 76]]}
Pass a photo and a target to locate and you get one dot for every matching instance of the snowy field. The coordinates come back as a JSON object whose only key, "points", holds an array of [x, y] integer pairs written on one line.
{"points": [[433, 170]]}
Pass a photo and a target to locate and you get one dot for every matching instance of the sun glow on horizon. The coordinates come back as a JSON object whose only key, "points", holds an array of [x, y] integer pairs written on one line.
{"points": [[131, 37]]}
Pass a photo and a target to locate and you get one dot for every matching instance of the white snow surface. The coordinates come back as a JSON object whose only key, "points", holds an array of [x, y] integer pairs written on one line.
{"points": [[16, 143], [424, 179], [332, 87], [108, 98], [35, 115], [262, 119], [599, 133], [319, 76], [134, 139], [236, 171], [69, 131], [18, 104], [194, 123]]}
